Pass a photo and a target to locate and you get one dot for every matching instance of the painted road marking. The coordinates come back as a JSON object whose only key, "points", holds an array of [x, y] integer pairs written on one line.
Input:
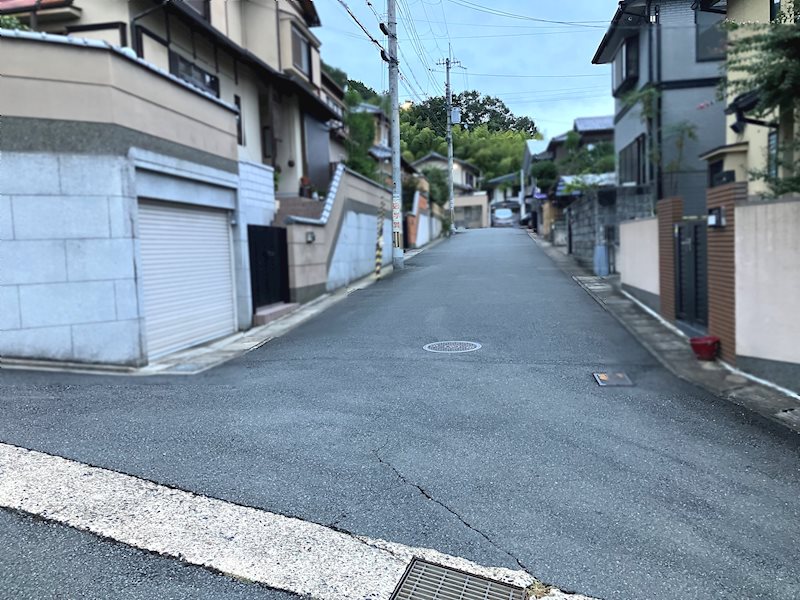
{"points": [[281, 552]]}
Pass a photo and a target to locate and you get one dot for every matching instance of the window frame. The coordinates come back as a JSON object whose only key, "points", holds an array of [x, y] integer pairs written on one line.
{"points": [[774, 9], [632, 161], [305, 44], [708, 55], [237, 100], [626, 65], [772, 153], [177, 60]]}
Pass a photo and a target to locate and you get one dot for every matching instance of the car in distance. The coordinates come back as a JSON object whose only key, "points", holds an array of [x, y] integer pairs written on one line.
{"points": [[503, 217]]}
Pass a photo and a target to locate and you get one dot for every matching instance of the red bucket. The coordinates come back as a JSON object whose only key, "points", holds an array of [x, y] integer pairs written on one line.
{"points": [[706, 347]]}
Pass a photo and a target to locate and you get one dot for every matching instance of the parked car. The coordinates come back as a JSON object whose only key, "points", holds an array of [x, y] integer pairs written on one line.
{"points": [[503, 217]]}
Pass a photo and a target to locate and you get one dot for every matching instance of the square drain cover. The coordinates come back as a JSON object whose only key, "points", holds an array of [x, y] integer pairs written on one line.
{"points": [[427, 581], [612, 379]]}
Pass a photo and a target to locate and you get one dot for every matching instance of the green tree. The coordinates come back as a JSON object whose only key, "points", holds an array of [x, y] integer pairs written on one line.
{"points": [[546, 174], [476, 110], [12, 22], [437, 180], [366, 93], [339, 76]]}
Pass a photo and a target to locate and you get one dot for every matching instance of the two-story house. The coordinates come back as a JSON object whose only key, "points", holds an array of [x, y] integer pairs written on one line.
{"points": [[753, 253], [144, 144], [666, 60], [471, 206]]}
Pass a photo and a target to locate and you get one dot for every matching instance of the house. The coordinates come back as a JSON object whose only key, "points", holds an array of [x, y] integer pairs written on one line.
{"points": [[144, 144], [666, 60], [548, 206], [753, 257], [381, 149], [471, 205]]}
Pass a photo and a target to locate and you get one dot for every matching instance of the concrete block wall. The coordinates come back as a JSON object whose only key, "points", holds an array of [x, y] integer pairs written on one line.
{"points": [[255, 206], [67, 254]]}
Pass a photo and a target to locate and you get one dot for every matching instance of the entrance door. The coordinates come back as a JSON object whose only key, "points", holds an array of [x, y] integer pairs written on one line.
{"points": [[269, 265], [691, 248]]}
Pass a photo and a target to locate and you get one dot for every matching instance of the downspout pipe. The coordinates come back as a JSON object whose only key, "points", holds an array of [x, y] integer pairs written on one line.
{"points": [[134, 38], [659, 105]]}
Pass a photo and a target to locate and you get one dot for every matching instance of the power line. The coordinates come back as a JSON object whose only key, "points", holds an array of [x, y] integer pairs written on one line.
{"points": [[364, 29], [532, 76], [501, 13]]}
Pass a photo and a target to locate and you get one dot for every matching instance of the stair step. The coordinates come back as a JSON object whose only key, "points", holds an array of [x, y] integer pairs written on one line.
{"points": [[273, 312]]}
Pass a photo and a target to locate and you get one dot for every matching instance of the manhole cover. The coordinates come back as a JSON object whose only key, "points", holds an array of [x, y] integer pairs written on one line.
{"points": [[427, 581], [452, 347], [612, 379]]}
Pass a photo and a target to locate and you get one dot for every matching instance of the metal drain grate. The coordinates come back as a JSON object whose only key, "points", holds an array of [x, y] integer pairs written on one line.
{"points": [[612, 379], [427, 581], [452, 347]]}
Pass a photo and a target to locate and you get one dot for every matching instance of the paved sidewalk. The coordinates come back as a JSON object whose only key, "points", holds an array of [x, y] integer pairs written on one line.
{"points": [[671, 347]]}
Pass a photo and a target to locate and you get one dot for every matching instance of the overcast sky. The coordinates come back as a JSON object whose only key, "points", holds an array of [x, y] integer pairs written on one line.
{"points": [[538, 67]]}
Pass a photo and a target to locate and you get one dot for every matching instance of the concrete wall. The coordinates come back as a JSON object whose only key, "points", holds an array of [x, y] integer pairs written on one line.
{"points": [[345, 244], [68, 278], [637, 260], [768, 285], [86, 131], [77, 83]]}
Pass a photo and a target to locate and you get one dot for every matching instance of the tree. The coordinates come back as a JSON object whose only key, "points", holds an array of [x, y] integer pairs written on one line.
{"points": [[764, 58], [476, 110], [366, 93], [359, 142], [339, 76], [437, 180], [12, 22], [546, 174]]}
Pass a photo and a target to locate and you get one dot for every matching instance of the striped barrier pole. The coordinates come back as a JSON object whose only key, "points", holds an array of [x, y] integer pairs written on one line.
{"points": [[379, 243]]}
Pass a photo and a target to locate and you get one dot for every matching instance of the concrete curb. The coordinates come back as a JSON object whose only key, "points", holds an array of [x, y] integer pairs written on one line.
{"points": [[670, 348]]}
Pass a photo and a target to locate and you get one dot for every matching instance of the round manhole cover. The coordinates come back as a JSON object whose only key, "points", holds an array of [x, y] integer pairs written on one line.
{"points": [[452, 347]]}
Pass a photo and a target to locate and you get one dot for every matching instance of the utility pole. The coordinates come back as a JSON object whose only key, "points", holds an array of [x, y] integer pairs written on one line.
{"points": [[448, 64], [397, 180]]}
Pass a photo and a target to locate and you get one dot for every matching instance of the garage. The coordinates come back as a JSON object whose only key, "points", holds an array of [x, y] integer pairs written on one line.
{"points": [[187, 275]]}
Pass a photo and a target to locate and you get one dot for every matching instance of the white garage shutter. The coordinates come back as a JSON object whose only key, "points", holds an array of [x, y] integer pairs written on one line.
{"points": [[186, 275]]}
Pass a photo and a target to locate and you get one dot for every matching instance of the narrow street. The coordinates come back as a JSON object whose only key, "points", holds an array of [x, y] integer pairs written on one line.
{"points": [[509, 456]]}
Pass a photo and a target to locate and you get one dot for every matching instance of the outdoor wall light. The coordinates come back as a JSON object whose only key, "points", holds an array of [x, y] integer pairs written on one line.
{"points": [[311, 237], [716, 217]]}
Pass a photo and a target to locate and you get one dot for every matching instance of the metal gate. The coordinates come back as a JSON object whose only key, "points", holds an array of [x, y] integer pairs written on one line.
{"points": [[269, 265], [691, 253]]}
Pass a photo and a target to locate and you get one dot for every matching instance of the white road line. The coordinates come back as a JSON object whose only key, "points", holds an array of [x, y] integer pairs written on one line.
{"points": [[256, 545]]}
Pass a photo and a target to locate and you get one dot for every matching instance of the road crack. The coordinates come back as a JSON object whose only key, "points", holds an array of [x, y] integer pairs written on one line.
{"points": [[463, 521]]}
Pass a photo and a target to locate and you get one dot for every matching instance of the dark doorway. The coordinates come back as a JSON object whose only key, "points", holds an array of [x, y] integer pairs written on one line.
{"points": [[269, 265], [691, 248]]}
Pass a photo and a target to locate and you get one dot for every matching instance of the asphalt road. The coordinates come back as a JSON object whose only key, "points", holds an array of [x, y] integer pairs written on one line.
{"points": [[655, 491]]}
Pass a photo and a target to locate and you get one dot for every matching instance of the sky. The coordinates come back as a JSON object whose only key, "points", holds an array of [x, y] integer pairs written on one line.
{"points": [[539, 68]]}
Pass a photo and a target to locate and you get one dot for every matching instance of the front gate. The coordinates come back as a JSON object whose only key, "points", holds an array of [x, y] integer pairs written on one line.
{"points": [[269, 265], [691, 254]]}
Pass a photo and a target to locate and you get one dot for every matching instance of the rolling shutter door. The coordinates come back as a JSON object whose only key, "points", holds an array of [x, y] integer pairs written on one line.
{"points": [[186, 276]]}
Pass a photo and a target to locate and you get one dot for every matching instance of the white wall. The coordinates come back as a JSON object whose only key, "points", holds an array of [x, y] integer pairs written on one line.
{"points": [[354, 255], [768, 281], [423, 229], [638, 254]]}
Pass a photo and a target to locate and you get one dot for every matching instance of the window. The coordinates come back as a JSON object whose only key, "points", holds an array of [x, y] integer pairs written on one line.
{"points": [[470, 179], [191, 73], [626, 65], [633, 162], [772, 154], [774, 9], [200, 6], [711, 37], [301, 52], [239, 124]]}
